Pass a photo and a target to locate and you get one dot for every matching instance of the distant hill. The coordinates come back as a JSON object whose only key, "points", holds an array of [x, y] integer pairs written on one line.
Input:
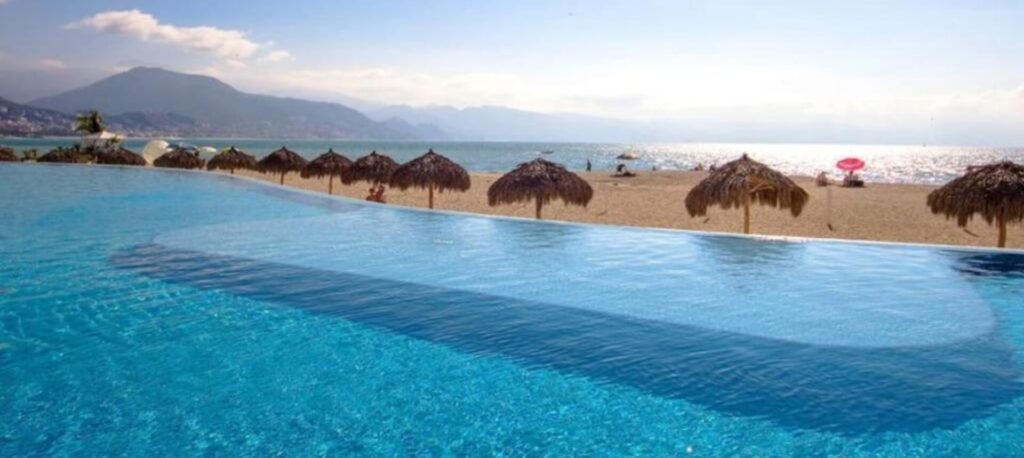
{"points": [[205, 106], [18, 119], [23, 120], [507, 124]]}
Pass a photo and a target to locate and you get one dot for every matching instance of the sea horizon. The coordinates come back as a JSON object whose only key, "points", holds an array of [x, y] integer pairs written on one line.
{"points": [[886, 163]]}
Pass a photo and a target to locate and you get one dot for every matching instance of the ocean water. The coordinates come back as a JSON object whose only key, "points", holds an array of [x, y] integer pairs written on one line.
{"points": [[886, 164], [159, 313]]}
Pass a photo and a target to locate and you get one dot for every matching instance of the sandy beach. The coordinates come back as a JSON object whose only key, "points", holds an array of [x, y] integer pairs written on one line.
{"points": [[886, 212]]}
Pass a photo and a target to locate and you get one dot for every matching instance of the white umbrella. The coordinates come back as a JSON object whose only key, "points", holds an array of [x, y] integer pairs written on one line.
{"points": [[154, 149], [207, 152], [98, 138]]}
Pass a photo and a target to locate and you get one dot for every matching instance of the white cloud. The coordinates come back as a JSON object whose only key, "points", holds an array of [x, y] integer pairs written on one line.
{"points": [[226, 43], [276, 56], [52, 64]]}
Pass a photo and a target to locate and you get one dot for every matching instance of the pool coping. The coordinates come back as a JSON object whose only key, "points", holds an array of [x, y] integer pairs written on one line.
{"points": [[763, 237]]}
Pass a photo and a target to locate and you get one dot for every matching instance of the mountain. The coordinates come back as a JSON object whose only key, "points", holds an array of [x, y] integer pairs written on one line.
{"points": [[208, 107], [507, 124]]}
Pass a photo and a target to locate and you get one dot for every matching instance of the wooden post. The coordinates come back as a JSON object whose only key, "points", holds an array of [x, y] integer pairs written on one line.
{"points": [[828, 207], [1002, 232], [430, 194], [330, 184], [282, 177], [540, 203], [746, 212]]}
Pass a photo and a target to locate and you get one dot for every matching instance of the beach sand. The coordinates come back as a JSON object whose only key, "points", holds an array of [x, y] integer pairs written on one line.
{"points": [[887, 212]]}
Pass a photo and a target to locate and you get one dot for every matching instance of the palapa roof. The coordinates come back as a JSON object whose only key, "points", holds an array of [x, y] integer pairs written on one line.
{"points": [[994, 191], [431, 169], [180, 158], [63, 155], [232, 159], [327, 164], [281, 161], [728, 184], [7, 155], [375, 168], [540, 179], [119, 156]]}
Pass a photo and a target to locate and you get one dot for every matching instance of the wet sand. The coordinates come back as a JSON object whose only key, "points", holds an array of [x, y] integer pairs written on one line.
{"points": [[887, 212]]}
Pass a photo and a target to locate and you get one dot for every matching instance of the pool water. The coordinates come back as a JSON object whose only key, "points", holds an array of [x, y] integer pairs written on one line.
{"points": [[147, 312]]}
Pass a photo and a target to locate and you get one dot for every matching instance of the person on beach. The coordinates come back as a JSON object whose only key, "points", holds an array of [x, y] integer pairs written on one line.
{"points": [[588, 165], [852, 180], [821, 179]]}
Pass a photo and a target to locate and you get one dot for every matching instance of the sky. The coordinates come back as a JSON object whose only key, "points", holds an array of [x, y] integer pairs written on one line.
{"points": [[937, 70]]}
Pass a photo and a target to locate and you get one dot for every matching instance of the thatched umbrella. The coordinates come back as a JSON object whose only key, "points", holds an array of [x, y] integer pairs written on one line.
{"points": [[996, 191], [281, 161], [374, 168], [63, 155], [119, 156], [180, 158], [540, 181], [740, 182], [7, 155], [230, 160], [431, 171], [329, 164]]}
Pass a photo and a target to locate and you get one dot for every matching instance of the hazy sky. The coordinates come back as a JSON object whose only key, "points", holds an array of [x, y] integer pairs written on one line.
{"points": [[951, 70]]}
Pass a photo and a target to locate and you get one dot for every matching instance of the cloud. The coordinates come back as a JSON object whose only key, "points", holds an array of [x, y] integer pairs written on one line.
{"points": [[52, 64], [226, 43], [276, 56]]}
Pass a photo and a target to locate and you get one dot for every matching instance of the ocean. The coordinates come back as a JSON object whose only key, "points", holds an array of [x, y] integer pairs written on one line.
{"points": [[885, 163]]}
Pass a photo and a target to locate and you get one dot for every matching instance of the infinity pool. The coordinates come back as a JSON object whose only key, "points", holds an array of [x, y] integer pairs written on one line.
{"points": [[147, 312]]}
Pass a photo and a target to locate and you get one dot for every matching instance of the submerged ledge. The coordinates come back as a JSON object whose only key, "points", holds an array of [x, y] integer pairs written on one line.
{"points": [[850, 391]]}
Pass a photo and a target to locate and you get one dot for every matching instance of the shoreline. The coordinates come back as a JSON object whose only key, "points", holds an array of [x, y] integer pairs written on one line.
{"points": [[879, 212]]}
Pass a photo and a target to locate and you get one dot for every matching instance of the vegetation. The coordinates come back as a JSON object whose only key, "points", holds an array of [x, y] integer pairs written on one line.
{"points": [[89, 123]]}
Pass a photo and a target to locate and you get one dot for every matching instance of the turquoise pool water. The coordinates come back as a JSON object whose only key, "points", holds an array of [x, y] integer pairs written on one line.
{"points": [[148, 312]]}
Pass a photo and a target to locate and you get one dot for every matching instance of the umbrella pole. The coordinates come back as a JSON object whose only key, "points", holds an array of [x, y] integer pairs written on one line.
{"points": [[828, 207], [282, 177], [540, 204], [1002, 232], [746, 212], [430, 195], [330, 184]]}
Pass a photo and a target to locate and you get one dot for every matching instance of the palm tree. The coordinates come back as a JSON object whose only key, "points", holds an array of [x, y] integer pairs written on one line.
{"points": [[89, 123]]}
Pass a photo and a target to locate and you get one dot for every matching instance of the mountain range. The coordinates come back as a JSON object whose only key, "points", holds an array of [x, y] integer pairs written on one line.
{"points": [[508, 124], [148, 101], [156, 102]]}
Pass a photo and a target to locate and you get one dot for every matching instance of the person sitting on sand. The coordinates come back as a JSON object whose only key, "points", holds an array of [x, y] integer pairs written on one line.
{"points": [[852, 180], [379, 196], [821, 179], [621, 172]]}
